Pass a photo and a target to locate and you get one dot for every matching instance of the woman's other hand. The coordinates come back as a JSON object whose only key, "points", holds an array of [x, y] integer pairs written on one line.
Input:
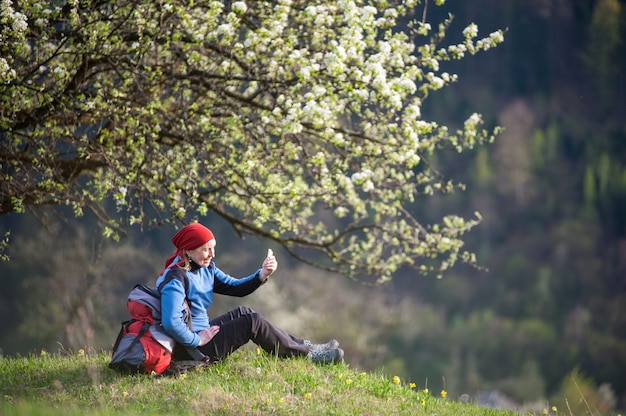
{"points": [[207, 335]]}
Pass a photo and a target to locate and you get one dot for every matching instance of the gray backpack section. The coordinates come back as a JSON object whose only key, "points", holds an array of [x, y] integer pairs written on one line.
{"points": [[151, 298]]}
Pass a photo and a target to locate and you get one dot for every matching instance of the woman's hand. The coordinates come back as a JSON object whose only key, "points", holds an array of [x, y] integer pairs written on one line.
{"points": [[269, 265], [207, 335]]}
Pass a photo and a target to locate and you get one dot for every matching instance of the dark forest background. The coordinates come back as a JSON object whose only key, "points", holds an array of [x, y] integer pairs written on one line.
{"points": [[549, 311]]}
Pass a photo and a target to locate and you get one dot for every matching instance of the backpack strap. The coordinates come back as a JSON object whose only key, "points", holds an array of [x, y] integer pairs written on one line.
{"points": [[176, 276], [143, 330], [119, 364], [121, 334], [181, 276]]}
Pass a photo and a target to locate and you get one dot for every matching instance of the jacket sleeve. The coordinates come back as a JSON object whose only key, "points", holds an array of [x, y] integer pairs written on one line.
{"points": [[172, 307], [228, 285]]}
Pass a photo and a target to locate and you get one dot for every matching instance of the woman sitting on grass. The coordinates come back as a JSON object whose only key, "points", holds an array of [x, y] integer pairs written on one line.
{"points": [[193, 263]]}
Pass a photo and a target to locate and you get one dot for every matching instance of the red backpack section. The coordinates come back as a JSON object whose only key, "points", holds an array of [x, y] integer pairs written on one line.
{"points": [[142, 345], [157, 358]]}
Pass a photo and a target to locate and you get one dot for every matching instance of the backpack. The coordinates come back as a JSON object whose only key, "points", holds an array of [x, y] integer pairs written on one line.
{"points": [[142, 345]]}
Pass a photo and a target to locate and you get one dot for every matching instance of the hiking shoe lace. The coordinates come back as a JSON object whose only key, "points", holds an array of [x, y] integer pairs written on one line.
{"points": [[326, 357], [330, 345]]}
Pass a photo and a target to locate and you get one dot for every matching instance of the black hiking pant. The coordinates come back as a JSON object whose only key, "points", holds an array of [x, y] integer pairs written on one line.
{"points": [[241, 325]]}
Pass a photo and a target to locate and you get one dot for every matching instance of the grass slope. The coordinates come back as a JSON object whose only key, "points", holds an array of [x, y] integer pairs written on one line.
{"points": [[246, 383]]}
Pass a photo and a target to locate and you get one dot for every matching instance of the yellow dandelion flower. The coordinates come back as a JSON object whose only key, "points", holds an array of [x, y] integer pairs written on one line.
{"points": [[444, 393], [424, 402], [258, 351], [554, 408], [182, 376], [43, 352], [545, 411], [124, 394], [396, 380], [340, 376], [362, 374], [412, 385], [307, 395], [425, 391], [281, 400], [348, 381]]}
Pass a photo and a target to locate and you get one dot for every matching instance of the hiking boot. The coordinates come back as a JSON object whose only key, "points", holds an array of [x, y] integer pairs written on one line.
{"points": [[326, 357], [330, 345]]}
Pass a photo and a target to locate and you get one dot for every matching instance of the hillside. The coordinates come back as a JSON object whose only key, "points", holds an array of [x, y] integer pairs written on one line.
{"points": [[247, 383]]}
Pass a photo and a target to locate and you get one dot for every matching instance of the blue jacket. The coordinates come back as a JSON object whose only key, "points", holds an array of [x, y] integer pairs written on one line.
{"points": [[202, 283]]}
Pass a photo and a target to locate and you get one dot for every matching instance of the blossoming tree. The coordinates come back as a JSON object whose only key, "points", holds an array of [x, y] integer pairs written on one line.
{"points": [[295, 120]]}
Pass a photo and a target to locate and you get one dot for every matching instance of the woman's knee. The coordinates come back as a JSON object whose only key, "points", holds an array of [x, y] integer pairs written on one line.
{"points": [[245, 310]]}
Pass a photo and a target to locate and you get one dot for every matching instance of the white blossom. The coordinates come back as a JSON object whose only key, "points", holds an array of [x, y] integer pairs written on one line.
{"points": [[414, 111], [359, 178], [59, 72], [457, 51], [473, 120], [408, 85], [432, 63], [226, 29], [395, 101], [471, 31], [436, 82], [391, 13], [497, 36], [368, 12], [239, 7], [310, 11], [4, 68], [341, 212], [305, 72]]}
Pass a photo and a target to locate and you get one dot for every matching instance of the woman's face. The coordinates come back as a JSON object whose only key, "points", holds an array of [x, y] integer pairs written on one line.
{"points": [[203, 254]]}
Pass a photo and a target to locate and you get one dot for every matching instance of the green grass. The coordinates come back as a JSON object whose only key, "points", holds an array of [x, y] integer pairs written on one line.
{"points": [[246, 383]]}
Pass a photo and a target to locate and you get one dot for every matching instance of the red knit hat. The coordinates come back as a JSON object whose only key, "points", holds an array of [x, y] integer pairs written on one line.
{"points": [[190, 237]]}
